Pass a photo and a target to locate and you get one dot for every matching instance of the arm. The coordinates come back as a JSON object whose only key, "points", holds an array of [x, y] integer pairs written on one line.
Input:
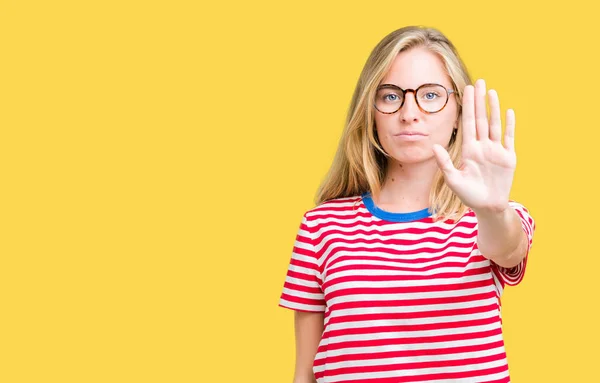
{"points": [[501, 237], [308, 327], [486, 174]]}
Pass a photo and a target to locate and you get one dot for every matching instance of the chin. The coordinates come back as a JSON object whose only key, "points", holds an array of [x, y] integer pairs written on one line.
{"points": [[413, 156], [412, 160]]}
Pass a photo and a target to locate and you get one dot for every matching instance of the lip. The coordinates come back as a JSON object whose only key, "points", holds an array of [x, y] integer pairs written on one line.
{"points": [[410, 136]]}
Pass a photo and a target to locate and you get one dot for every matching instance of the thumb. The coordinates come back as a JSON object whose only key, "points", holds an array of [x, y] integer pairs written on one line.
{"points": [[444, 161]]}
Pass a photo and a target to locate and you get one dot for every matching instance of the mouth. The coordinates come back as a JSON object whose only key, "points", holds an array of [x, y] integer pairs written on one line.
{"points": [[410, 136]]}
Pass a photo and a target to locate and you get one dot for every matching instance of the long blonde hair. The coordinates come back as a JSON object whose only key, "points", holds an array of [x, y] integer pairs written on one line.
{"points": [[360, 163]]}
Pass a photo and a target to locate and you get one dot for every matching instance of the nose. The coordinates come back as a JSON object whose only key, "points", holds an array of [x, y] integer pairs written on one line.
{"points": [[410, 110]]}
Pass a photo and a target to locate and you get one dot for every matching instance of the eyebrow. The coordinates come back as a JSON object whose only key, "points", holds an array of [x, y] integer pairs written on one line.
{"points": [[387, 85]]}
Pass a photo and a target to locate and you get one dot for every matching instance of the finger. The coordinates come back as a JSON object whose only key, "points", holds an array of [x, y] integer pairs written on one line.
{"points": [[468, 114], [509, 135], [481, 119], [445, 162], [495, 122]]}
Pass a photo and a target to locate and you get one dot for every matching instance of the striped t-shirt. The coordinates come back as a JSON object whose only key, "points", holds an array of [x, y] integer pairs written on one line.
{"points": [[405, 299]]}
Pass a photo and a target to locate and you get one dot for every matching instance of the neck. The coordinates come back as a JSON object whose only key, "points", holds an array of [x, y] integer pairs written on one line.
{"points": [[406, 187]]}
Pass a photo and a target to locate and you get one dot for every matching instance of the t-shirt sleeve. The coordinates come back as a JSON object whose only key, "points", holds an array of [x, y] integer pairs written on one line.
{"points": [[514, 275], [302, 289]]}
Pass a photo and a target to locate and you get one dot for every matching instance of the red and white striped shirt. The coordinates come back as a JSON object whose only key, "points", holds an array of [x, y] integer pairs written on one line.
{"points": [[405, 299]]}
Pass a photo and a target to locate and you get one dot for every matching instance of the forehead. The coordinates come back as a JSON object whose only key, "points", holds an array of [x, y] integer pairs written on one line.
{"points": [[415, 67]]}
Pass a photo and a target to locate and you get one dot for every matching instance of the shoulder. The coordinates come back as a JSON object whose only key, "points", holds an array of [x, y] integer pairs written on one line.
{"points": [[517, 205], [333, 208], [524, 214]]}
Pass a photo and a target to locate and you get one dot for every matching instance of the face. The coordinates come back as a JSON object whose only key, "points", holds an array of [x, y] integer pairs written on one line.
{"points": [[411, 69]]}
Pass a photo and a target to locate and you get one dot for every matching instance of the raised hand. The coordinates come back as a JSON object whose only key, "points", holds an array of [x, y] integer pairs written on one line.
{"points": [[484, 181]]}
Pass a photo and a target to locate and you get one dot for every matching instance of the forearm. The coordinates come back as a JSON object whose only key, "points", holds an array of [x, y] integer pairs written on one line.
{"points": [[501, 237], [308, 331], [305, 380]]}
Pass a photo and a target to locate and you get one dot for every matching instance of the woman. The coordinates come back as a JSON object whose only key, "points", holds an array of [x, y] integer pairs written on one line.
{"points": [[396, 274]]}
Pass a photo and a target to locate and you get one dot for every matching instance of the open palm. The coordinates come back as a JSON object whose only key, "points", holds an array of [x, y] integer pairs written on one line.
{"points": [[485, 179]]}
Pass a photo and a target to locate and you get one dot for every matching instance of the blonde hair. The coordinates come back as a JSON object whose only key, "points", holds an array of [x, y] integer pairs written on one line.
{"points": [[360, 163]]}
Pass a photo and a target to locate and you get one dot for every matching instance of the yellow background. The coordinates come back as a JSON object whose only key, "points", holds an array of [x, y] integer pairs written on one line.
{"points": [[156, 158]]}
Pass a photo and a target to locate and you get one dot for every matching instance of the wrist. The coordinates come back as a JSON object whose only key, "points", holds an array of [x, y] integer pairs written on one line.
{"points": [[493, 211]]}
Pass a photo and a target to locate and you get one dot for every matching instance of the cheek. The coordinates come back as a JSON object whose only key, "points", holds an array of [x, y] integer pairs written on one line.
{"points": [[445, 125], [378, 122], [384, 124], [380, 130], [442, 135]]}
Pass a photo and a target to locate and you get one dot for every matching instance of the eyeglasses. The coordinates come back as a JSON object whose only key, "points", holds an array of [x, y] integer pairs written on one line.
{"points": [[430, 98]]}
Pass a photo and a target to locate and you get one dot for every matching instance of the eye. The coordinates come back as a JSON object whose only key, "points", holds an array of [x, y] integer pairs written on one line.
{"points": [[431, 95], [394, 97]]}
